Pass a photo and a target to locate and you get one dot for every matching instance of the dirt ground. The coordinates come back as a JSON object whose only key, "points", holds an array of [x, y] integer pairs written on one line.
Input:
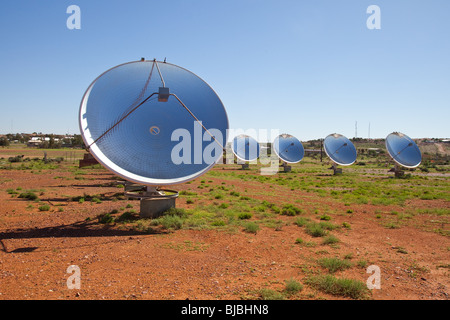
{"points": [[116, 262]]}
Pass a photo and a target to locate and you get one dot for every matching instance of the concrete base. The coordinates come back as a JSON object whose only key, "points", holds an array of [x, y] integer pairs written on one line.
{"points": [[155, 207]]}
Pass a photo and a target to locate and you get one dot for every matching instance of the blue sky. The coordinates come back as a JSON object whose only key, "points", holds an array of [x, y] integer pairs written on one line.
{"points": [[308, 68]]}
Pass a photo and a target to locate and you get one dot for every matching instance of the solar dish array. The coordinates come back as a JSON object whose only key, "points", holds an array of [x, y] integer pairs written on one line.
{"points": [[135, 117]]}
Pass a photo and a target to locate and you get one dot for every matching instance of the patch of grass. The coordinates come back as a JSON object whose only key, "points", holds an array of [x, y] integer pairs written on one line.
{"points": [[325, 217], [346, 225], [171, 221], [315, 229], [269, 294], [244, 215], [251, 227], [302, 221], [96, 200], [292, 287], [223, 205], [354, 289], [28, 196], [401, 250], [290, 210], [391, 225], [218, 223], [126, 217], [105, 218], [362, 263], [176, 212], [44, 207], [187, 193], [334, 264], [328, 225], [330, 239], [11, 191]]}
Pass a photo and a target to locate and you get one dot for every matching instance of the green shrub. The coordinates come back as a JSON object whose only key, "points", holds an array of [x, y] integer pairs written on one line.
{"points": [[290, 210], [218, 223], [105, 218], [325, 217], [224, 205], [251, 227], [187, 193], [176, 212], [44, 207], [96, 200], [334, 264], [315, 229], [354, 289], [330, 239], [28, 195], [245, 215], [127, 216], [269, 294], [301, 221], [328, 225], [293, 286], [171, 221], [362, 263]]}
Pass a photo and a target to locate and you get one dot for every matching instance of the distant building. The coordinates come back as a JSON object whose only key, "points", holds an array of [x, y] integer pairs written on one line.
{"points": [[34, 142]]}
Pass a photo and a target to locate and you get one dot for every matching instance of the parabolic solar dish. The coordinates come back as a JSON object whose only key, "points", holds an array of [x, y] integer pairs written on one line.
{"points": [[288, 148], [153, 123], [403, 150], [245, 148], [339, 149]]}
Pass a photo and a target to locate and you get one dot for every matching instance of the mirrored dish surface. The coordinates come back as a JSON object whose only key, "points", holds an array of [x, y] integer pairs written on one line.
{"points": [[339, 149], [403, 150], [245, 148], [147, 141], [288, 148]]}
